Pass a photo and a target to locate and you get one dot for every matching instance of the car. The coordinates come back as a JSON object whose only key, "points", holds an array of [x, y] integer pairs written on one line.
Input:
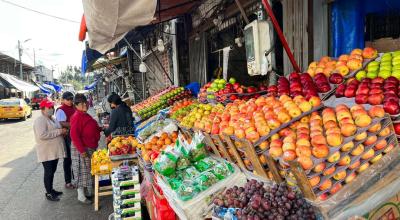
{"points": [[35, 101], [14, 108]]}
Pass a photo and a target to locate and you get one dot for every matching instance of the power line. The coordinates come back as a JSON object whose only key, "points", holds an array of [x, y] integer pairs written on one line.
{"points": [[39, 12]]}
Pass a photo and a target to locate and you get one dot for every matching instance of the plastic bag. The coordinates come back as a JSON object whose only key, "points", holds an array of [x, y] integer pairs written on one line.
{"points": [[166, 162], [205, 164], [183, 161], [222, 170], [197, 147], [190, 173], [186, 190], [205, 181]]}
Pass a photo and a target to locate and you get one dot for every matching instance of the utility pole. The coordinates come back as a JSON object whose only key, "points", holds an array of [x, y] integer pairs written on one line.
{"points": [[20, 61]]}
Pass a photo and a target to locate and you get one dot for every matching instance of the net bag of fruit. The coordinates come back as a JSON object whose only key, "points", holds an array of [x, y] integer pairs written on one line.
{"points": [[205, 164], [205, 181], [222, 170], [187, 190], [165, 163], [184, 155]]}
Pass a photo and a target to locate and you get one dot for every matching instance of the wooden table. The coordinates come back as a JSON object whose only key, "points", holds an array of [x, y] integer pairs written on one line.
{"points": [[106, 190]]}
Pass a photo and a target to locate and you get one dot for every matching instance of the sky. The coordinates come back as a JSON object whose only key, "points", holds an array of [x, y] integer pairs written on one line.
{"points": [[55, 41]]}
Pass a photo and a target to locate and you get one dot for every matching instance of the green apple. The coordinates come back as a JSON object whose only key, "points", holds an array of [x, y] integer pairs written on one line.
{"points": [[386, 63], [387, 58], [232, 80], [396, 58], [374, 63], [396, 73], [396, 67], [361, 75], [214, 85], [372, 75], [221, 86], [372, 68], [387, 55], [389, 68], [384, 74], [395, 62]]}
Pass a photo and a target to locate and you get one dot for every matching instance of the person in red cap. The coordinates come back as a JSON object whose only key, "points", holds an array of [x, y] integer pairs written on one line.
{"points": [[49, 146], [85, 136]]}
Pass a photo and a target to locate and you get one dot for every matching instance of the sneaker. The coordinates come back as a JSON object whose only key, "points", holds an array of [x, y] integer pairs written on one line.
{"points": [[57, 193], [52, 197], [86, 201], [69, 186]]}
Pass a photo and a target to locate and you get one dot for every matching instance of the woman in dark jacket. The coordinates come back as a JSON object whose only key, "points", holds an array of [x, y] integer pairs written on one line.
{"points": [[121, 115]]}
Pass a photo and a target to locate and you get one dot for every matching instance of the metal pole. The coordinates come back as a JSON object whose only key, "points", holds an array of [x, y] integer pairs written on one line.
{"points": [[175, 52], [278, 29], [20, 61]]}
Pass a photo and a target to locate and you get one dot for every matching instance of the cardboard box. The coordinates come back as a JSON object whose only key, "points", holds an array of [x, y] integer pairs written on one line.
{"points": [[390, 210], [384, 44]]}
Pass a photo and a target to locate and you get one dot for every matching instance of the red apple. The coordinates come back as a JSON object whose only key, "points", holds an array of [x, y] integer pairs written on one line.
{"points": [[336, 78], [361, 99], [375, 99], [397, 128], [392, 79], [391, 107], [350, 92], [375, 91], [272, 88], [340, 90], [362, 90]]}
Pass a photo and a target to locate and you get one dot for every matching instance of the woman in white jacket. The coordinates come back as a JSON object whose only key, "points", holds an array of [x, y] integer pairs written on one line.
{"points": [[49, 146]]}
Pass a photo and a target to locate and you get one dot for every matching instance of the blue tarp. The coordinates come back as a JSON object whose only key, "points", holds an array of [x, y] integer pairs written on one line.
{"points": [[56, 87], [348, 22], [89, 56], [91, 86]]}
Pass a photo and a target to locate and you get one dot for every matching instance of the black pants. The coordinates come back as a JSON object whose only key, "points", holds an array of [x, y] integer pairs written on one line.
{"points": [[50, 168], [67, 161]]}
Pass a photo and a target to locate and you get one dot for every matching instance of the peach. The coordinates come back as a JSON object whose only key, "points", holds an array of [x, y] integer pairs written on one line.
{"points": [[327, 184], [342, 113], [356, 51], [305, 106], [315, 101], [334, 157], [319, 167], [344, 161], [356, 57], [380, 145], [374, 128], [303, 151], [368, 154], [320, 151], [343, 57], [325, 59], [318, 140], [355, 165], [384, 132], [327, 111], [335, 188], [302, 136], [315, 133], [347, 147], [356, 107], [363, 167], [276, 143], [313, 64], [305, 162], [376, 158], [314, 180], [323, 196], [289, 155], [358, 112], [350, 177], [376, 112], [335, 130], [275, 151], [275, 137], [283, 117], [315, 115], [273, 123], [357, 150], [289, 139], [370, 140], [369, 53], [330, 124], [329, 171], [334, 140], [388, 148], [294, 112], [305, 119], [253, 136], [264, 145], [263, 130], [228, 130], [288, 146], [361, 136], [363, 120], [348, 129], [342, 69], [239, 133], [340, 175]]}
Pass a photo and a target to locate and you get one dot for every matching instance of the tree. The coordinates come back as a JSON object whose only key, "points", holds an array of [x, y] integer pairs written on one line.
{"points": [[72, 75]]}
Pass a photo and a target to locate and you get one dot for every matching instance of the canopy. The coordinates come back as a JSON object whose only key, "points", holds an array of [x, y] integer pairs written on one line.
{"points": [[18, 84], [108, 21], [91, 86]]}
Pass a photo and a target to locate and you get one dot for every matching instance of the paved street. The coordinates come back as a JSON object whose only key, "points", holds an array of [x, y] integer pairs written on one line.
{"points": [[21, 180]]}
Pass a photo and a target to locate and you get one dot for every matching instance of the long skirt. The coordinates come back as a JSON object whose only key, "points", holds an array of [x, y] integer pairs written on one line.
{"points": [[81, 167]]}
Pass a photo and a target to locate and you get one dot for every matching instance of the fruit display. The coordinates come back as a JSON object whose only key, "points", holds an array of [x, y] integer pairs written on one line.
{"points": [[122, 145], [377, 91], [182, 108], [303, 84], [345, 64], [331, 144], [256, 201], [388, 65], [167, 97], [202, 116], [152, 148], [100, 162], [222, 91]]}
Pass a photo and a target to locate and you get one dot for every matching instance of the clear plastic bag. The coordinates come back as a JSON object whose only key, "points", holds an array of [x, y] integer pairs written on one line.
{"points": [[186, 190], [166, 163], [222, 170], [205, 180], [197, 147], [205, 164], [190, 173]]}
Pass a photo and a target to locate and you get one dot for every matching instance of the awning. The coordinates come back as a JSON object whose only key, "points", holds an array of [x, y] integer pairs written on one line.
{"points": [[91, 86], [18, 84], [108, 21]]}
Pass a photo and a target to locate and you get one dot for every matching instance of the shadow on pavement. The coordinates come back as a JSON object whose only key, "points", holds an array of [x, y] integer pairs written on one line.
{"points": [[22, 194]]}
